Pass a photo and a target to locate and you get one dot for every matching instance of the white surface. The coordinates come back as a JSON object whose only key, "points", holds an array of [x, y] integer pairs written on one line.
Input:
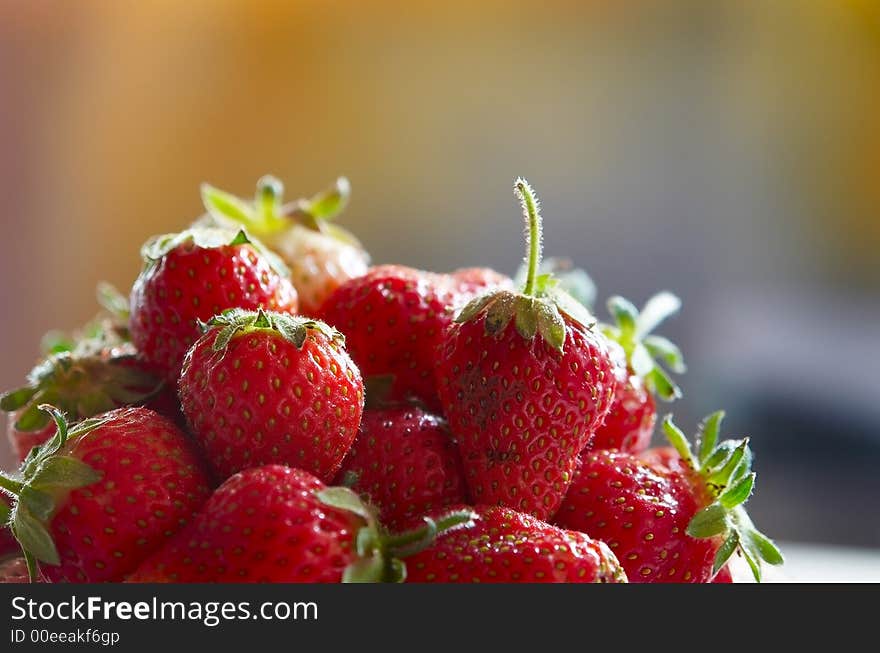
{"points": [[815, 563]]}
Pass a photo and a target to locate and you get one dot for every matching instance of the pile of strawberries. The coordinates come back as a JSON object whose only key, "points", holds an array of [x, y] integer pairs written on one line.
{"points": [[267, 407]]}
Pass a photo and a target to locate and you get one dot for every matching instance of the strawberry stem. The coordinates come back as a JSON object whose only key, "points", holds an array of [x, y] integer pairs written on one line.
{"points": [[417, 539], [531, 212]]}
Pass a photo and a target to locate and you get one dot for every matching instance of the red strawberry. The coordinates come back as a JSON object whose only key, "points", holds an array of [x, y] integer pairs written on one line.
{"points": [[280, 524], [96, 500], [260, 388], [405, 462], [505, 546], [321, 255], [630, 423], [667, 525], [192, 276], [93, 378], [393, 319], [524, 381]]}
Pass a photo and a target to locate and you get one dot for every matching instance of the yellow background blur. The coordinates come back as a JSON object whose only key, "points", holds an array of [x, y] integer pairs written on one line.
{"points": [[728, 150]]}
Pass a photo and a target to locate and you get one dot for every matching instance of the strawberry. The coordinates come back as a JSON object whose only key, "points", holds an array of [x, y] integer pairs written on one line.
{"points": [[467, 283], [405, 463], [281, 524], [192, 276], [505, 546], [630, 423], [393, 318], [723, 576], [524, 381], [671, 525], [321, 254], [99, 497], [260, 388], [93, 378]]}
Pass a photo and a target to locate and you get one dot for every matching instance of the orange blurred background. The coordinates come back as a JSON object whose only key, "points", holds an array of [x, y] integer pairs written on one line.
{"points": [[726, 150]]}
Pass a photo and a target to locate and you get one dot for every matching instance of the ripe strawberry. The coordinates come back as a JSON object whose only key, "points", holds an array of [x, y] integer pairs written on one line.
{"points": [[93, 378], [280, 524], [467, 283], [393, 318], [321, 255], [260, 388], [524, 381], [668, 525], [630, 423], [505, 546], [405, 463], [723, 576], [96, 500], [192, 276]]}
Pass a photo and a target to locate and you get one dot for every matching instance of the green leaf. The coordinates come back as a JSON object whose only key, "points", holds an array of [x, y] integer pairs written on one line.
{"points": [[708, 434], [678, 440], [656, 309], [719, 455], [738, 493], [625, 315], [640, 361], [752, 560], [33, 537], [329, 203], [344, 499], [499, 312], [365, 570], [726, 550], [526, 316], [571, 307], [661, 385], [112, 300], [64, 472], [710, 521], [226, 206], [665, 350], [241, 238], [32, 419], [38, 503], [723, 476], [5, 512], [551, 326], [473, 307], [765, 547], [15, 399]]}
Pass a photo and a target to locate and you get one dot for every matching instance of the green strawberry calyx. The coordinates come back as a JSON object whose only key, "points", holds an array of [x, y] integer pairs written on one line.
{"points": [[647, 353], [207, 237], [380, 553], [724, 469], [293, 328], [91, 379], [43, 479], [266, 216], [542, 305]]}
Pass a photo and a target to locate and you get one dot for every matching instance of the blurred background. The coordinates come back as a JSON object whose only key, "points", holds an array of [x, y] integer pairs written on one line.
{"points": [[727, 150]]}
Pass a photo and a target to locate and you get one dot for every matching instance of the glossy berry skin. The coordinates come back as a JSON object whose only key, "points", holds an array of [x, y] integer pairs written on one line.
{"points": [[393, 319], [192, 283], [264, 524], [467, 283], [505, 546], [522, 411], [629, 424], [263, 400], [406, 464], [723, 576], [642, 511], [152, 483]]}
